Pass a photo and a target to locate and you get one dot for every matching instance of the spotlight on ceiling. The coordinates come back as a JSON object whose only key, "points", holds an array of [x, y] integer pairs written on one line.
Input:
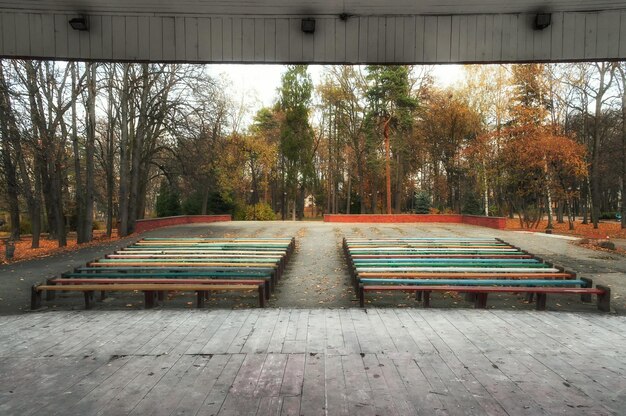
{"points": [[80, 23], [542, 21], [308, 25]]}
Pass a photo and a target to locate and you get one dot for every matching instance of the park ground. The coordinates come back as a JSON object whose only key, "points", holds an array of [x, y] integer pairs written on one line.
{"points": [[317, 275]]}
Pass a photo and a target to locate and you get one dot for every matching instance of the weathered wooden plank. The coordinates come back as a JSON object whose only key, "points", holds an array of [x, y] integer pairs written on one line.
{"points": [[319, 40], [118, 25], [155, 24], [308, 45], [372, 34], [259, 339], [430, 38], [360, 399], [21, 27], [295, 41], [455, 37], [313, 388], [363, 39], [509, 38], [393, 25], [248, 32], [269, 37], [231, 39], [591, 36], [336, 391], [60, 34], [205, 372], [472, 38], [352, 46], [293, 376], [556, 34], [191, 38], [179, 37], [271, 377], [339, 42], [383, 402], [218, 393], [407, 54], [608, 35], [217, 53], [444, 33], [47, 30], [282, 40], [316, 332], [496, 37], [204, 39], [622, 34]]}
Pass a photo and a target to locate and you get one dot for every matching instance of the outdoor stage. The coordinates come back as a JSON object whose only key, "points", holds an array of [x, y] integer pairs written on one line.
{"points": [[312, 362]]}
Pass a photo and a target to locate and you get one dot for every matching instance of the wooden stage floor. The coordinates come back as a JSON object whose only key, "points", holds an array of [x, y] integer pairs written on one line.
{"points": [[312, 362]]}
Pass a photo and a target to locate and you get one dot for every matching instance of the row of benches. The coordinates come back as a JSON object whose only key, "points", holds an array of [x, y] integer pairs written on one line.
{"points": [[155, 266], [474, 266]]}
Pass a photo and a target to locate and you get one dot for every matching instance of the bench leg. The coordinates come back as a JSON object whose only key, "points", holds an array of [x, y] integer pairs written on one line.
{"points": [[35, 298], [50, 294], [586, 297], [148, 297], [541, 301], [88, 298], [261, 296], [361, 296], [427, 299], [530, 297], [201, 295], [161, 295], [481, 301], [604, 300], [103, 295], [470, 297], [267, 289], [418, 296]]}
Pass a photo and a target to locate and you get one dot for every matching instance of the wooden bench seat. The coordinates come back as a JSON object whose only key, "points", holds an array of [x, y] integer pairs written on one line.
{"points": [[603, 293], [81, 281], [150, 291], [267, 277], [187, 271]]}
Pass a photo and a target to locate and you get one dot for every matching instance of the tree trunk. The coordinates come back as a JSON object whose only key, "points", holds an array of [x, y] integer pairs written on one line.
{"points": [[623, 194], [124, 153], [9, 133], [89, 151], [110, 153], [387, 165], [78, 176]]}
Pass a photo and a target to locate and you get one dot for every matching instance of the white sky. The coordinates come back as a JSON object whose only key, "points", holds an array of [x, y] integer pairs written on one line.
{"points": [[257, 84]]}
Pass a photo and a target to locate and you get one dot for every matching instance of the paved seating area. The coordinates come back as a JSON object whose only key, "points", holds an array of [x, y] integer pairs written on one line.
{"points": [[158, 265], [475, 266]]}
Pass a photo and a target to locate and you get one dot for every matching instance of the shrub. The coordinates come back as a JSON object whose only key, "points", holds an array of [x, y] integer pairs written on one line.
{"points": [[471, 205], [167, 202], [608, 215], [422, 203], [259, 212], [192, 205]]}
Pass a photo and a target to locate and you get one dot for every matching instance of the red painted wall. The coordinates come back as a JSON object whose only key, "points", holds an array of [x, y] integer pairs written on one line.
{"points": [[491, 222], [152, 223]]}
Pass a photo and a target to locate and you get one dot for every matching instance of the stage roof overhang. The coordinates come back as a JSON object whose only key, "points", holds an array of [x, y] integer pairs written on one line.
{"points": [[352, 31]]}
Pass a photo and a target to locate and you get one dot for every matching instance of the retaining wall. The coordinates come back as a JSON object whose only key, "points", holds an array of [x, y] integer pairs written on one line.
{"points": [[152, 223], [491, 222]]}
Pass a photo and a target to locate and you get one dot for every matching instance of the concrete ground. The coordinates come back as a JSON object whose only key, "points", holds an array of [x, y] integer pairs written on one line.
{"points": [[316, 275]]}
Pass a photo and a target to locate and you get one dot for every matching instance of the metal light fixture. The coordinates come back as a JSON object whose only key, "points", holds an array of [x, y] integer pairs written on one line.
{"points": [[308, 25], [542, 21], [80, 23]]}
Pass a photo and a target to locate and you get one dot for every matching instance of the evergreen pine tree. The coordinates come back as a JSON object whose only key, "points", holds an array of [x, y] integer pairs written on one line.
{"points": [[471, 205], [422, 203]]}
